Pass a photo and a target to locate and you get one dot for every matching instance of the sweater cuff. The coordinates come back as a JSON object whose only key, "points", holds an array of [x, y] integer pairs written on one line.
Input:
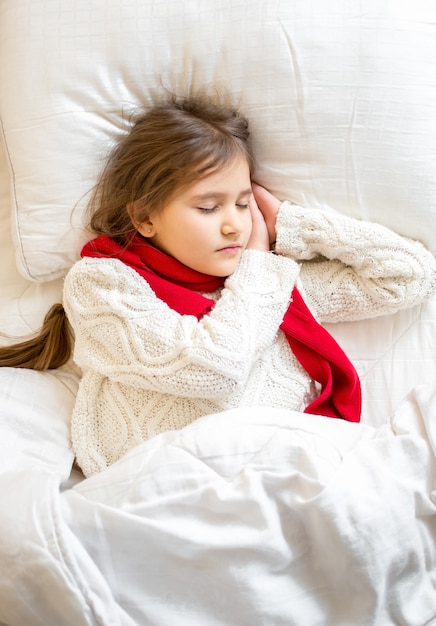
{"points": [[264, 273], [292, 226]]}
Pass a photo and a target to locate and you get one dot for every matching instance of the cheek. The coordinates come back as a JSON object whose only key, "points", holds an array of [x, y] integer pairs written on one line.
{"points": [[199, 227], [188, 239]]}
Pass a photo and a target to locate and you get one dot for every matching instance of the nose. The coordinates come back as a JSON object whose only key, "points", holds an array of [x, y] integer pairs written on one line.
{"points": [[233, 221]]}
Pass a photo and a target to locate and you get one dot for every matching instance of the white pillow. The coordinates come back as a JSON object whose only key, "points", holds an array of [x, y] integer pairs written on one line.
{"points": [[35, 420], [341, 96]]}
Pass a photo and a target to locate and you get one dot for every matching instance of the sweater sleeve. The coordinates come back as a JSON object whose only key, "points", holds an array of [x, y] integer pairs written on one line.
{"points": [[353, 269], [127, 334]]}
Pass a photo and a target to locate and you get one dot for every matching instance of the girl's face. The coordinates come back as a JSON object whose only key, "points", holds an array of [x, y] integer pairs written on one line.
{"points": [[207, 225]]}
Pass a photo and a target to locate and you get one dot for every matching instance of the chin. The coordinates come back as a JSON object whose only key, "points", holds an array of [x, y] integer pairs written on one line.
{"points": [[228, 271]]}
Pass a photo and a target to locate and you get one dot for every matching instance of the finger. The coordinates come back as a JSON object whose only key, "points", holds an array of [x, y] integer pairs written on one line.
{"points": [[254, 208], [265, 198]]}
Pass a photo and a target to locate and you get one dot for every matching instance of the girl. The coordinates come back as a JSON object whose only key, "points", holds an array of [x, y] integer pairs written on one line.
{"points": [[201, 290]]}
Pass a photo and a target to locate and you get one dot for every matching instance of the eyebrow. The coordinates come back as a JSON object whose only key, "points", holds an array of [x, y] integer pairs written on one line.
{"points": [[215, 195]]}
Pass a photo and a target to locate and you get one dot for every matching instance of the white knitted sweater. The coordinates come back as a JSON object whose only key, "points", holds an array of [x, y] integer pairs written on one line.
{"points": [[147, 369]]}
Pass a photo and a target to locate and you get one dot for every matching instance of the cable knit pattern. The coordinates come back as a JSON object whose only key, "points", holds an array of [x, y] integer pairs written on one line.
{"points": [[147, 369], [354, 269]]}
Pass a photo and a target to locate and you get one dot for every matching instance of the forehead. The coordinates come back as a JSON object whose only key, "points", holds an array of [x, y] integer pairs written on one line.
{"points": [[233, 177]]}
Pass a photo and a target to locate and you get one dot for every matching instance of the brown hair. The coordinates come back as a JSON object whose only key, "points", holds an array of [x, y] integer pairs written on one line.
{"points": [[167, 148], [49, 349]]}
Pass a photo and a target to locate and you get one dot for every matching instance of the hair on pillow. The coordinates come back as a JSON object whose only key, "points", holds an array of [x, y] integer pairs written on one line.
{"points": [[341, 101]]}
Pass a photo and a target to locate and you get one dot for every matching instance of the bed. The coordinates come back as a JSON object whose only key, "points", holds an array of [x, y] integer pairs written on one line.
{"points": [[260, 517]]}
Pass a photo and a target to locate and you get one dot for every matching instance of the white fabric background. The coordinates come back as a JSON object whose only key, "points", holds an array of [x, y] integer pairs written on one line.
{"points": [[341, 97]]}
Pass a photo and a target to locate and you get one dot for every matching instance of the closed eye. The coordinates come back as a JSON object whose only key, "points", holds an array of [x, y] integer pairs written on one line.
{"points": [[208, 209], [215, 208]]}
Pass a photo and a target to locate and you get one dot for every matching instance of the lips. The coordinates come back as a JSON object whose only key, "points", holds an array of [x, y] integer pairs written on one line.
{"points": [[231, 248]]}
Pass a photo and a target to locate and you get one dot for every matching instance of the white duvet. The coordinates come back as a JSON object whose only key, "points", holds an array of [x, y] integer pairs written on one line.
{"points": [[252, 517]]}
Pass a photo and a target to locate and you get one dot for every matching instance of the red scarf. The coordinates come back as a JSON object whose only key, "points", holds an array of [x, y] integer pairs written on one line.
{"points": [[313, 346]]}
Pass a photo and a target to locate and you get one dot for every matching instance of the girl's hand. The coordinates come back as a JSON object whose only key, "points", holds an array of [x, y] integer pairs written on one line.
{"points": [[259, 238], [269, 207]]}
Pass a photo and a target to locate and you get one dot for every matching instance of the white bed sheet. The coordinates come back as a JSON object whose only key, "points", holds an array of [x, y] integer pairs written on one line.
{"points": [[244, 518]]}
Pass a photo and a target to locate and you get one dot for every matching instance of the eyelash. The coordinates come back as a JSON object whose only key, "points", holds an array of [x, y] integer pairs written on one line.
{"points": [[215, 208]]}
